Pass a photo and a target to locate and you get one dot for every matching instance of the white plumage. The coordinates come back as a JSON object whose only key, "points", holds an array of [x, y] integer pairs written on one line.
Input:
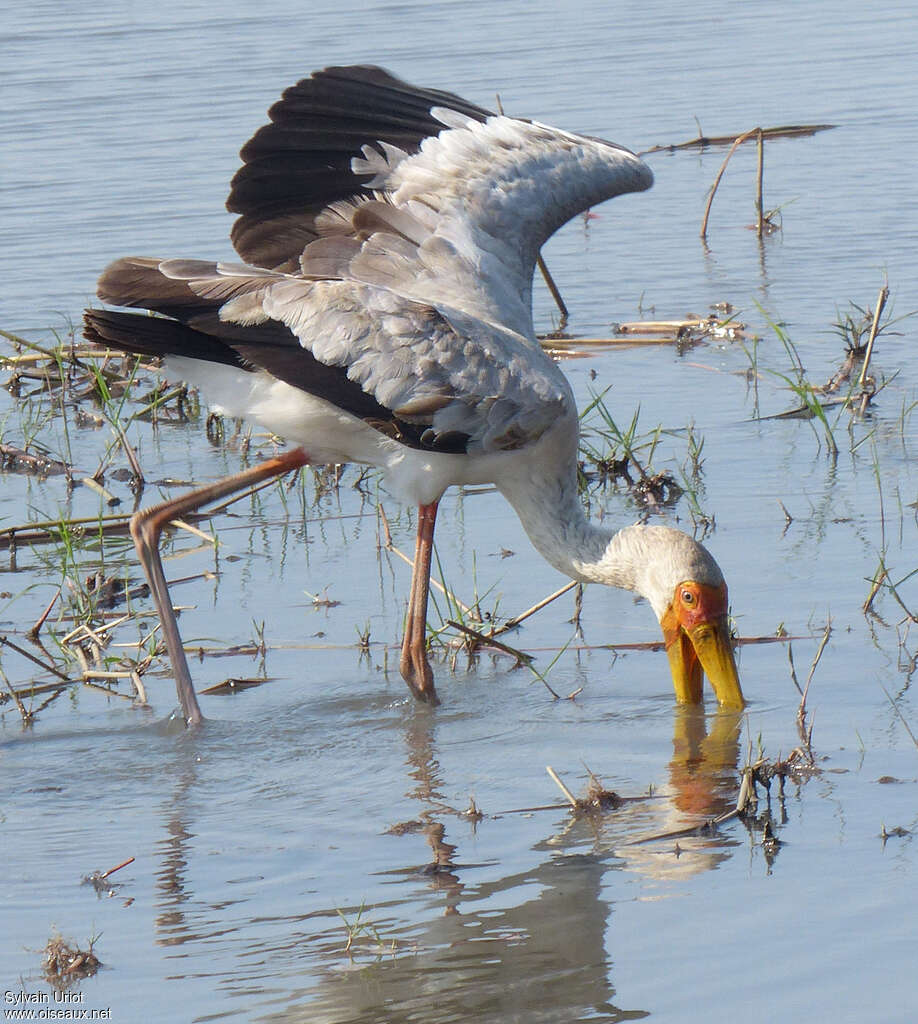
{"points": [[383, 316]]}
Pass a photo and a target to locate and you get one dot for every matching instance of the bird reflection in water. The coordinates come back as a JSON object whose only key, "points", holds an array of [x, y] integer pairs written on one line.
{"points": [[536, 944]]}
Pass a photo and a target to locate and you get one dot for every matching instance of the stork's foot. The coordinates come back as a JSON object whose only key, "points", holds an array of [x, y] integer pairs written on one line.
{"points": [[418, 674]]}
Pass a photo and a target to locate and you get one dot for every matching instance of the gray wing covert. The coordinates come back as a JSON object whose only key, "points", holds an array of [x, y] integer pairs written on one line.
{"points": [[440, 370]]}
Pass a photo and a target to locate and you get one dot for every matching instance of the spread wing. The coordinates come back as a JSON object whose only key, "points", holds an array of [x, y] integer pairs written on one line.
{"points": [[451, 204], [393, 232]]}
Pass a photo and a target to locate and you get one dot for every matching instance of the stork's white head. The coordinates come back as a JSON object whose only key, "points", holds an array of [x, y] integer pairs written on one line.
{"points": [[686, 590]]}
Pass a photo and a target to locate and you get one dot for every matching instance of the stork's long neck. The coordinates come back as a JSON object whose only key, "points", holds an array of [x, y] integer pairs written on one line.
{"points": [[548, 504], [651, 560]]}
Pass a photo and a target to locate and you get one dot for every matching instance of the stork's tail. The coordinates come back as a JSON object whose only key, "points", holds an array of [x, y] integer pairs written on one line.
{"points": [[145, 335]]}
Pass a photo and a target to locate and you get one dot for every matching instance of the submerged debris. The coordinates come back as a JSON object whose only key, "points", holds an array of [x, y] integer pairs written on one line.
{"points": [[597, 798], [17, 460], [657, 490], [684, 332], [63, 963], [234, 684], [894, 833], [404, 828], [99, 879]]}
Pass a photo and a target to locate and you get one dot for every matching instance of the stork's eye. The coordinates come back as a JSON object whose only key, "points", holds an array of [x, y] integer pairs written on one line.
{"points": [[688, 597]]}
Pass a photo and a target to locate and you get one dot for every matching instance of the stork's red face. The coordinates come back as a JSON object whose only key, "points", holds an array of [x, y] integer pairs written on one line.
{"points": [[698, 641]]}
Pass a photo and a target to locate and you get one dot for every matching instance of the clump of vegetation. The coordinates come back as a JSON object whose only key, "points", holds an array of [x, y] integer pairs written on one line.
{"points": [[64, 963], [364, 934], [847, 390]]}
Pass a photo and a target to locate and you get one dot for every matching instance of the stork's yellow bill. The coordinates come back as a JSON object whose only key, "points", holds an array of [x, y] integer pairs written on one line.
{"points": [[698, 642]]}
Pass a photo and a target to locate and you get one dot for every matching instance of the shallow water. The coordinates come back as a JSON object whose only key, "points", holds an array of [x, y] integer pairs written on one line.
{"points": [[326, 792]]}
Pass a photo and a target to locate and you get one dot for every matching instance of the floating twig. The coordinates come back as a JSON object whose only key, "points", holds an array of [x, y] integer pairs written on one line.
{"points": [[701, 141], [94, 485]]}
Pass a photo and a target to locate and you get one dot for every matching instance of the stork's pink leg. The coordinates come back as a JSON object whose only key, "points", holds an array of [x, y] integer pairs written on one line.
{"points": [[147, 526], [414, 666]]}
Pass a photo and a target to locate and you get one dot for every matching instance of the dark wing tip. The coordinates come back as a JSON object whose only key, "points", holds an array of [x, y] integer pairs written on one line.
{"points": [[300, 162]]}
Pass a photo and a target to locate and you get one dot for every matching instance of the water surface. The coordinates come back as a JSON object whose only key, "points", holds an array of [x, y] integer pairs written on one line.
{"points": [[326, 792]]}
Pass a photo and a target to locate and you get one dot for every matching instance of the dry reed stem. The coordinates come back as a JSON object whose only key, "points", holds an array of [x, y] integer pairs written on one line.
{"points": [[84, 631], [738, 141], [107, 673], [131, 455], [874, 328], [390, 546], [117, 867], [52, 688], [138, 686], [24, 714], [705, 827], [107, 690], [48, 353], [105, 627], [801, 713], [654, 326], [46, 530], [180, 524], [488, 640], [517, 619], [32, 634], [647, 332], [27, 358], [747, 791], [6, 642], [899, 713], [553, 288], [781, 132], [570, 796], [582, 348]]}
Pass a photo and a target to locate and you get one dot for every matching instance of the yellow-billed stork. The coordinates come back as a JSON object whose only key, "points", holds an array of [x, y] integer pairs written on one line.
{"points": [[383, 316]]}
